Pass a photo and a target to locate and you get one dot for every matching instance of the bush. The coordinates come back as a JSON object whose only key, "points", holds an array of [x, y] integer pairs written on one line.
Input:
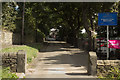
{"points": [[40, 35], [112, 74], [7, 75]]}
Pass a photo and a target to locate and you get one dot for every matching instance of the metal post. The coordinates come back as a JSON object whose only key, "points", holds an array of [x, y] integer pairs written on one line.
{"points": [[107, 42]]}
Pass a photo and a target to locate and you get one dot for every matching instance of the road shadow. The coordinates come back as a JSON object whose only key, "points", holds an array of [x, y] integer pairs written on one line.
{"points": [[76, 73], [78, 59], [41, 47], [63, 46], [72, 56]]}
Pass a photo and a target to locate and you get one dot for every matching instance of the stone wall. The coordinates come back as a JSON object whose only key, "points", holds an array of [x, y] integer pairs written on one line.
{"points": [[16, 38], [6, 38], [9, 38], [16, 61], [104, 66], [108, 62], [27, 38]]}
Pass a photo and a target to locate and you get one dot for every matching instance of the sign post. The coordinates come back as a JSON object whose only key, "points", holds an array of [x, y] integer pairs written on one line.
{"points": [[107, 19], [107, 42]]}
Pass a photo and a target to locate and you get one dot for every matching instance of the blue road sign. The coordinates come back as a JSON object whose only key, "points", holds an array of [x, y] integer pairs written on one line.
{"points": [[107, 19]]}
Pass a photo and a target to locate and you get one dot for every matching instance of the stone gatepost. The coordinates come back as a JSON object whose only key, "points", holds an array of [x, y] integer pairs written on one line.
{"points": [[21, 61], [92, 64]]}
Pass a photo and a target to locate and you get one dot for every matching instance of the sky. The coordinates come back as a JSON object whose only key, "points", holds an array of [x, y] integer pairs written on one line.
{"points": [[83, 31]]}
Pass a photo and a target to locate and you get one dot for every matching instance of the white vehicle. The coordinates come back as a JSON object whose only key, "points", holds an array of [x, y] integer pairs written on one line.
{"points": [[50, 39]]}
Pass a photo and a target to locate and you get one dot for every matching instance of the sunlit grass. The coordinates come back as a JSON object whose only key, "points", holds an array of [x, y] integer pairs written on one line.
{"points": [[31, 50]]}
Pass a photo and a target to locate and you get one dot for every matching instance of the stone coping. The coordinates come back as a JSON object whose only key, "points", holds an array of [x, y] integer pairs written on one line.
{"points": [[108, 62]]}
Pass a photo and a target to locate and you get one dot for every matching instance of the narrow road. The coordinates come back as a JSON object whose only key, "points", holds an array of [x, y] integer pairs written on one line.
{"points": [[59, 60]]}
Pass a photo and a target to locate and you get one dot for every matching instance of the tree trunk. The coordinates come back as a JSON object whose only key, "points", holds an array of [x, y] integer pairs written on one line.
{"points": [[36, 33], [22, 36], [86, 26]]}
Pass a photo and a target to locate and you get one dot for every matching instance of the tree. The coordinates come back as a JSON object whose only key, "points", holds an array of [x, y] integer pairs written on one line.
{"points": [[89, 16], [8, 16], [41, 17]]}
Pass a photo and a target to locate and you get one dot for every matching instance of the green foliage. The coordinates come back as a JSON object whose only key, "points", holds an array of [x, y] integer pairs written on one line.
{"points": [[41, 17], [40, 34], [7, 75], [36, 46], [35, 29], [8, 16], [112, 74]]}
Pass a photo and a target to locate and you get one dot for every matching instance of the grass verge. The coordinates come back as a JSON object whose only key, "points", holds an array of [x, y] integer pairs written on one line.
{"points": [[31, 50]]}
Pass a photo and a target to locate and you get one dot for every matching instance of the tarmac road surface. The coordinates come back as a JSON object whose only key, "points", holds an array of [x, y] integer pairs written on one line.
{"points": [[59, 61]]}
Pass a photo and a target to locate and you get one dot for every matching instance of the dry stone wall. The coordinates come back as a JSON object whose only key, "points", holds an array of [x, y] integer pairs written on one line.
{"points": [[16, 38], [108, 62], [16, 61], [104, 66], [7, 38]]}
